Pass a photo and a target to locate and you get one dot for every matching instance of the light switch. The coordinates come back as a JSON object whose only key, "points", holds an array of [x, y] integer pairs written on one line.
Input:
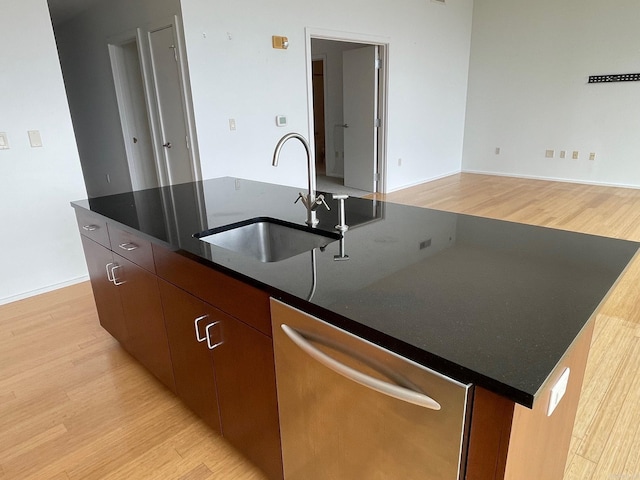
{"points": [[281, 120], [34, 138], [4, 141], [558, 391]]}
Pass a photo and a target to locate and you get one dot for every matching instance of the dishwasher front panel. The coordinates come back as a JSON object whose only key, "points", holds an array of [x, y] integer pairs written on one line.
{"points": [[352, 410]]}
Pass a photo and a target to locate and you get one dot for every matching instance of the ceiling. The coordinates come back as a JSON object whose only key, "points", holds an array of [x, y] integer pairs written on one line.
{"points": [[63, 10]]}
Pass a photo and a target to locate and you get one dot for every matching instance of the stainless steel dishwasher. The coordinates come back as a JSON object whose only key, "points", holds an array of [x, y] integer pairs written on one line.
{"points": [[352, 410]]}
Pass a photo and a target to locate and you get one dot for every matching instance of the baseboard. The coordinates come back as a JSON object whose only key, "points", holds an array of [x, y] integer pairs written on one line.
{"points": [[49, 288], [420, 182], [551, 179]]}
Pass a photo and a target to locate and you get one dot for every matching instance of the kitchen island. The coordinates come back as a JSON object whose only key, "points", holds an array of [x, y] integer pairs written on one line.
{"points": [[495, 304]]}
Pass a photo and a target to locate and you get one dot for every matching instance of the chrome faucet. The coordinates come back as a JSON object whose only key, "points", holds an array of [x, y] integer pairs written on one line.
{"points": [[310, 201]]}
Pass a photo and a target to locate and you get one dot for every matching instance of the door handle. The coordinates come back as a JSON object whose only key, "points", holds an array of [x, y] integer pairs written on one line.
{"points": [[167, 145], [386, 388]]}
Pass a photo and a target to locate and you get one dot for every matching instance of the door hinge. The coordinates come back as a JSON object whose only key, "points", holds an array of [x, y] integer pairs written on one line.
{"points": [[377, 123], [187, 141], [175, 52], [378, 63], [376, 177]]}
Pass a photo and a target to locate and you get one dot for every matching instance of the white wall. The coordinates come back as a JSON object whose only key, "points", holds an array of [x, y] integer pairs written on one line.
{"points": [[528, 91], [40, 246], [83, 44], [236, 74]]}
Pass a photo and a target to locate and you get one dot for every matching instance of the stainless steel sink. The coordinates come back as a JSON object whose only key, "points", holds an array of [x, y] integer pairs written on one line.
{"points": [[267, 239]]}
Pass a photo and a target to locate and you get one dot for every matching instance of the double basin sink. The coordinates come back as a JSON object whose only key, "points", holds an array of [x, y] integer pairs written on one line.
{"points": [[267, 239]]}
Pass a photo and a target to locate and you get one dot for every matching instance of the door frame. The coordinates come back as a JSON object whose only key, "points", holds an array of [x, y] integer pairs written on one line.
{"points": [[323, 58], [366, 39]]}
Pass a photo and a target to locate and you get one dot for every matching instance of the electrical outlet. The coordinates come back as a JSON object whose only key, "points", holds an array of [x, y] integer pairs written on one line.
{"points": [[232, 124], [399, 162], [558, 391], [4, 141], [497, 150], [549, 153], [592, 156], [575, 155], [563, 154]]}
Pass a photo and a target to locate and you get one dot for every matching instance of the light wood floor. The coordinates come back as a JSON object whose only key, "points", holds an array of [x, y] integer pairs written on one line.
{"points": [[606, 436], [74, 405]]}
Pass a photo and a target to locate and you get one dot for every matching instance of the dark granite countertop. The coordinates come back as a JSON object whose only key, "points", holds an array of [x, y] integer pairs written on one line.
{"points": [[484, 301]]}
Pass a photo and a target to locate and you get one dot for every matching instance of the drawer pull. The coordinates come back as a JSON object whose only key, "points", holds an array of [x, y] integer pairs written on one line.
{"points": [[128, 246], [90, 228]]}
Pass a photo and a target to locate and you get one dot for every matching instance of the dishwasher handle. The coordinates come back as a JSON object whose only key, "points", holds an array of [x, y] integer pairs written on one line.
{"points": [[386, 388]]}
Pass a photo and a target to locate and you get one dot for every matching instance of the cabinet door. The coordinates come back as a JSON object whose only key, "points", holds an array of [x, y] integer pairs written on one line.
{"points": [[245, 375], [192, 363], [106, 294], [142, 307]]}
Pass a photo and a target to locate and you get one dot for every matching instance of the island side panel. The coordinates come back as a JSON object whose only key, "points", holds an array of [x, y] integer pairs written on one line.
{"points": [[539, 444]]}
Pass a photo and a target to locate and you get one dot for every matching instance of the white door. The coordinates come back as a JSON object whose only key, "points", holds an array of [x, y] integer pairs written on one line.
{"points": [[360, 107], [171, 110]]}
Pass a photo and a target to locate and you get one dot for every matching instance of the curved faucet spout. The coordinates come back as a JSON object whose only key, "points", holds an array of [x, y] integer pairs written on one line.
{"points": [[310, 202]]}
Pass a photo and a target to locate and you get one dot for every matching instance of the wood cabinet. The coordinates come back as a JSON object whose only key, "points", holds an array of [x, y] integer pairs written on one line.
{"points": [[192, 362], [106, 294], [127, 299], [142, 308], [245, 376], [223, 366], [205, 335]]}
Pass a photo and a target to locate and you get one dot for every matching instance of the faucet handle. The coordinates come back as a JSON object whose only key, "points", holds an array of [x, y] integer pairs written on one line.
{"points": [[300, 197], [320, 201]]}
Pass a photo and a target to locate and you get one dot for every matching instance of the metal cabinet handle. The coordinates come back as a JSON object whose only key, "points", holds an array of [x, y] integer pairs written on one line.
{"points": [[198, 320], [386, 388], [115, 281], [90, 228], [109, 271], [209, 344], [207, 330], [128, 246]]}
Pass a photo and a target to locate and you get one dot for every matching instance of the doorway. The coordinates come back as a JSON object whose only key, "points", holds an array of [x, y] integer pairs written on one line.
{"points": [[351, 105], [151, 91], [134, 118]]}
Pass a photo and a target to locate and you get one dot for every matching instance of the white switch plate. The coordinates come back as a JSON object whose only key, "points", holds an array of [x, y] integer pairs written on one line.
{"points": [[550, 153], [4, 141], [281, 120], [35, 138], [558, 391], [232, 124]]}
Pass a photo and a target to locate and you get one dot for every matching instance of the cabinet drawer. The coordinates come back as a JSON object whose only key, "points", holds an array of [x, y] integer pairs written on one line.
{"points": [[93, 227], [232, 296], [132, 247]]}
